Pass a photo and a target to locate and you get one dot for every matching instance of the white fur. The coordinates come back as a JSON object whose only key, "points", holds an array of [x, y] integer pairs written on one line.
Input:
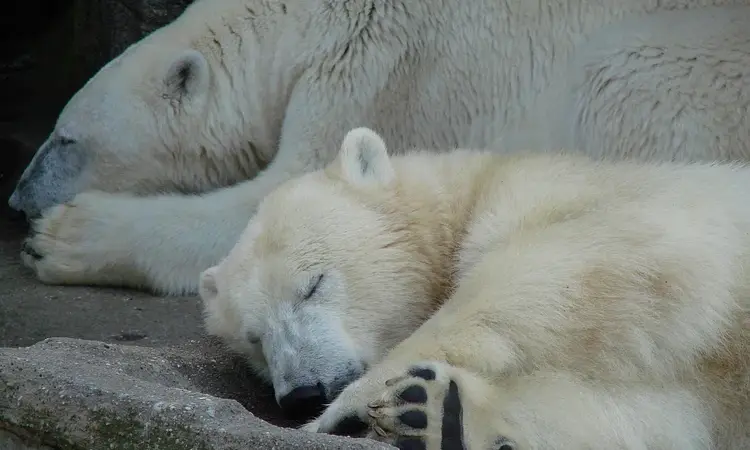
{"points": [[644, 79], [577, 304]]}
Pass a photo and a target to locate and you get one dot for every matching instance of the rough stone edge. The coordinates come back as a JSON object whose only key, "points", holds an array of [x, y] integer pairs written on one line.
{"points": [[35, 411]]}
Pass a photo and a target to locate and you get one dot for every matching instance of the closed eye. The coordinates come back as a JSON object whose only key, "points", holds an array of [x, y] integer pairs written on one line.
{"points": [[314, 283]]}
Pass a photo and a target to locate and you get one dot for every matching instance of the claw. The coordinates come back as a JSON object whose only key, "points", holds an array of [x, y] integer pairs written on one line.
{"points": [[381, 432], [393, 381], [376, 404]]}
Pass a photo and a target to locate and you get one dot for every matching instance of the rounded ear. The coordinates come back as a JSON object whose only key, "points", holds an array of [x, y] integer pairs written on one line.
{"points": [[363, 158], [187, 75], [207, 288]]}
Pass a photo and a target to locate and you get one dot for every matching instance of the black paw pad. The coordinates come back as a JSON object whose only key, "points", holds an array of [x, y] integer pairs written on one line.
{"points": [[414, 419], [349, 426], [503, 443], [423, 373], [453, 430], [410, 443], [414, 394]]}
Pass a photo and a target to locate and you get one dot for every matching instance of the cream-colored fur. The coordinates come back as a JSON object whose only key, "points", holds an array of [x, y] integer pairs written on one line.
{"points": [[576, 304], [250, 93]]}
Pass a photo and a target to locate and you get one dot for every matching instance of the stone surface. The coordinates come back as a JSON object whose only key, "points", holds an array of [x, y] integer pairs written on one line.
{"points": [[104, 28], [35, 35], [74, 394]]}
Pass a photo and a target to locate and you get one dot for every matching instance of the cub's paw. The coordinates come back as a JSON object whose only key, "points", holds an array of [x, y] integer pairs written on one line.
{"points": [[424, 409], [76, 242]]}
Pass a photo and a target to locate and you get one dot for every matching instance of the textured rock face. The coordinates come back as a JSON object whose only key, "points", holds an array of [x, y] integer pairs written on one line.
{"points": [[104, 28], [73, 394]]}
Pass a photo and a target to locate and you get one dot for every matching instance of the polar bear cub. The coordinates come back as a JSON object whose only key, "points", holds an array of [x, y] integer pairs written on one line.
{"points": [[469, 300]]}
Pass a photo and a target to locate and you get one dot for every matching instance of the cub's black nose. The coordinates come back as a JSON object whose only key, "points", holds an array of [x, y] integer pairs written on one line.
{"points": [[303, 402]]}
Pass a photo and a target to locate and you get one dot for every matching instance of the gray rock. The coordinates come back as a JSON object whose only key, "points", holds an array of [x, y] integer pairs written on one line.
{"points": [[71, 394], [107, 27]]}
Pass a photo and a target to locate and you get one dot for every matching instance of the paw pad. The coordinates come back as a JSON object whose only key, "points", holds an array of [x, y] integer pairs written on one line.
{"points": [[419, 409], [423, 409], [423, 373], [409, 443], [414, 394], [415, 419]]}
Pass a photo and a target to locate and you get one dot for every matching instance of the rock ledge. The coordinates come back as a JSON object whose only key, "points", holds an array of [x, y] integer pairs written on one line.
{"points": [[70, 394]]}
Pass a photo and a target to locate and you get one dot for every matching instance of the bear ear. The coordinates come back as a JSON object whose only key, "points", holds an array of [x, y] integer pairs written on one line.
{"points": [[363, 158], [187, 75], [207, 288]]}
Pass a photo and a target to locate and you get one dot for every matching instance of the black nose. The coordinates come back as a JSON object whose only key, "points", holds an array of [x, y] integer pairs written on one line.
{"points": [[303, 402]]}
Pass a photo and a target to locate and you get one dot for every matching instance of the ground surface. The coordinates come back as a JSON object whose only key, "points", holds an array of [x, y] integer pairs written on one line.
{"points": [[31, 311]]}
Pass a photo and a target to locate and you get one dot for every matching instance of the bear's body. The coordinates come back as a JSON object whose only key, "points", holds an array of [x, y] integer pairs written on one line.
{"points": [[537, 302], [249, 93]]}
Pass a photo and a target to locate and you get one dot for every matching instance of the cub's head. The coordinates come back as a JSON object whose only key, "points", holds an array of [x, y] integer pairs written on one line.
{"points": [[177, 111], [324, 279]]}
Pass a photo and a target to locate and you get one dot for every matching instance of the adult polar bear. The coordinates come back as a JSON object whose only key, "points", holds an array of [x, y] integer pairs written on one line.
{"points": [[206, 101], [514, 303]]}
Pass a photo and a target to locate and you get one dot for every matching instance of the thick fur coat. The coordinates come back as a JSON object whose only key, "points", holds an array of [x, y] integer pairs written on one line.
{"points": [[473, 301], [467, 300], [156, 165]]}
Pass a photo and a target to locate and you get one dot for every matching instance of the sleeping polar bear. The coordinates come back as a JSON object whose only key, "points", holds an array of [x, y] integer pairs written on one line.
{"points": [[476, 301], [244, 94]]}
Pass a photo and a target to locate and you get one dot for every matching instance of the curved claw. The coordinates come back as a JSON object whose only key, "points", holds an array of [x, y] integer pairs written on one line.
{"points": [[381, 432], [29, 250], [375, 404], [390, 382]]}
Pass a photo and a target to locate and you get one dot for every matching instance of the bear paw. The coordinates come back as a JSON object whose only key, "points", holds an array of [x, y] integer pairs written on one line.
{"points": [[74, 243], [423, 410], [428, 406]]}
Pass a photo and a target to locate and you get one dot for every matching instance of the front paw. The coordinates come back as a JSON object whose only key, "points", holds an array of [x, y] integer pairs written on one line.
{"points": [[425, 409], [430, 406], [76, 242]]}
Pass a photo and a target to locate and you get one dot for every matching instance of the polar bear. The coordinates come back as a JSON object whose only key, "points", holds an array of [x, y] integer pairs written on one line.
{"points": [[470, 300], [158, 162]]}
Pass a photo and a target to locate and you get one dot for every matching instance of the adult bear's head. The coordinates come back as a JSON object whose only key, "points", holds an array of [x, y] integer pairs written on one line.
{"points": [[193, 106]]}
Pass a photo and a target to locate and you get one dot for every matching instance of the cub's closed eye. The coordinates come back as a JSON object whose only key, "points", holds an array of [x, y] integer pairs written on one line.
{"points": [[66, 140], [314, 283], [253, 340]]}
